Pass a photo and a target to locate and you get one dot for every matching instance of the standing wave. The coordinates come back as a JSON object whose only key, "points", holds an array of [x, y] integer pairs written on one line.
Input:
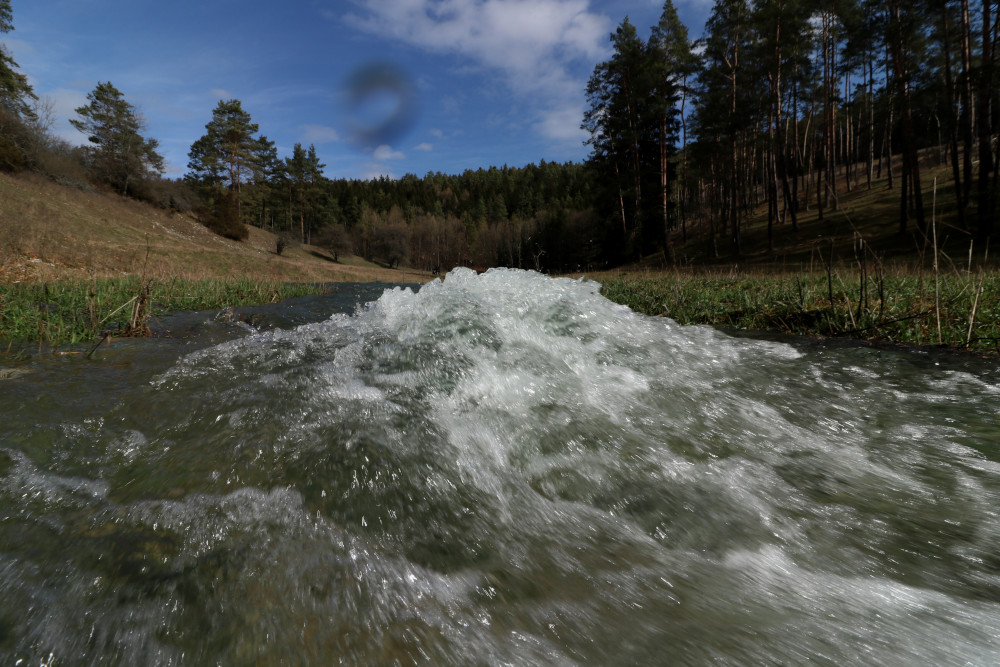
{"points": [[507, 468]]}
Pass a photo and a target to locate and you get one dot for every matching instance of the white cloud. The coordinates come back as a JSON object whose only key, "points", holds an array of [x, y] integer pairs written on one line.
{"points": [[520, 37], [319, 134], [374, 171], [424, 147], [16, 47], [562, 123], [383, 153], [540, 46], [220, 93], [65, 102], [699, 7]]}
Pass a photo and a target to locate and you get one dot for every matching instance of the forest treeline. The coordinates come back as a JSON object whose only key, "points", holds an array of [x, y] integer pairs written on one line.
{"points": [[532, 217], [784, 104], [780, 107]]}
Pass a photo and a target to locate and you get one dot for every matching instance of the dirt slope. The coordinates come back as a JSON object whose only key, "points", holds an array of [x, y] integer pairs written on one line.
{"points": [[50, 232]]}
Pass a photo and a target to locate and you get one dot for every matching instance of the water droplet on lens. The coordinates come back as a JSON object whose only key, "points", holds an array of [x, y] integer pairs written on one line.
{"points": [[381, 104]]}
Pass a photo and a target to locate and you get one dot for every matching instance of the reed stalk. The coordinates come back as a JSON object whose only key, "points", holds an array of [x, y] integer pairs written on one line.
{"points": [[937, 285]]}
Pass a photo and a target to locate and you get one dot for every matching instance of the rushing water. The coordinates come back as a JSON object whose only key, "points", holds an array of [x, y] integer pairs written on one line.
{"points": [[496, 469]]}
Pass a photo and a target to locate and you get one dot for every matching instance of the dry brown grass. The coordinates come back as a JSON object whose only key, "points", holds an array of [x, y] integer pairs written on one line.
{"points": [[52, 232]]}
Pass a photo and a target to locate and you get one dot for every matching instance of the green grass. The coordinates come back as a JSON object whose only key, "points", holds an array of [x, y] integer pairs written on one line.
{"points": [[900, 308], [58, 313], [896, 308]]}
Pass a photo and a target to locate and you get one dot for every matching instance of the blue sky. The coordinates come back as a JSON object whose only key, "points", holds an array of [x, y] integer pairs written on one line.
{"points": [[486, 82]]}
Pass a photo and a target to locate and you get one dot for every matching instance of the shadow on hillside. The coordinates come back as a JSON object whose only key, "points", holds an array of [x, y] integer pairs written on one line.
{"points": [[323, 256]]}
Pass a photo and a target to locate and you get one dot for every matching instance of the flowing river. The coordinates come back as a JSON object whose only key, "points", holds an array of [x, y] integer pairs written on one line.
{"points": [[496, 469]]}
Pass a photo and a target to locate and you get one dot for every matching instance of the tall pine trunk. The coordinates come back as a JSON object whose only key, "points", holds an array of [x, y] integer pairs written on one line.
{"points": [[985, 197], [952, 116], [968, 117]]}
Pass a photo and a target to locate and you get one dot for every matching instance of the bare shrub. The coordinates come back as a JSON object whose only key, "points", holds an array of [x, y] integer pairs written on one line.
{"points": [[12, 158], [15, 140], [61, 162], [165, 193], [284, 240], [336, 240], [391, 243]]}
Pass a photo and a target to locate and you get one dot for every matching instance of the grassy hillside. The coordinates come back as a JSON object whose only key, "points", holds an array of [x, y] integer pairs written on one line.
{"points": [[817, 280], [851, 274], [48, 231], [51, 232]]}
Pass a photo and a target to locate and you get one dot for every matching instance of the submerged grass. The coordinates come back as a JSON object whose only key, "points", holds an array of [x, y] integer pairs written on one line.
{"points": [[58, 313], [959, 310]]}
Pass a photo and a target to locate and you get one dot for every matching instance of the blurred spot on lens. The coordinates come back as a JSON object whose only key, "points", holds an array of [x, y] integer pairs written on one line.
{"points": [[381, 104]]}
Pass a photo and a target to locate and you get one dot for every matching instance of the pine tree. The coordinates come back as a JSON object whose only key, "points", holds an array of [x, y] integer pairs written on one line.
{"points": [[15, 91], [901, 38], [305, 176], [725, 114], [261, 194], [16, 98], [224, 155], [675, 64], [988, 104], [779, 26], [119, 155], [628, 105], [221, 161]]}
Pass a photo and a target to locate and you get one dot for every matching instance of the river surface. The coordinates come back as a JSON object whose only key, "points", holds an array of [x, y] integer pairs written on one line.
{"points": [[502, 469]]}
